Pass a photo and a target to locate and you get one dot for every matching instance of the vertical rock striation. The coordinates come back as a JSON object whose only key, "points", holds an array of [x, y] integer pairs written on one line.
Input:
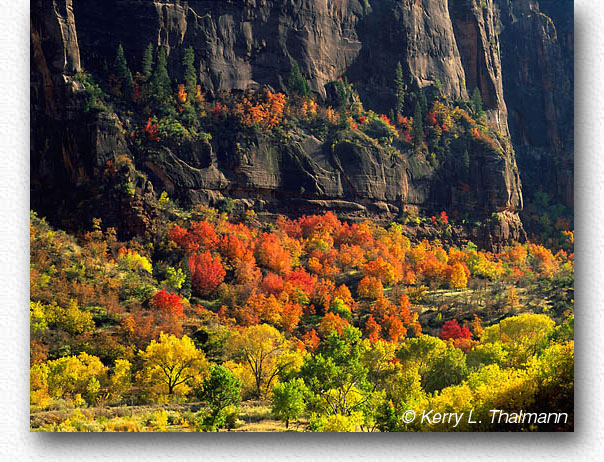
{"points": [[247, 44]]}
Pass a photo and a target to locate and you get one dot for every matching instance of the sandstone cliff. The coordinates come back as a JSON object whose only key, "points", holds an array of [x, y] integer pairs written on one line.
{"points": [[243, 44], [537, 39]]}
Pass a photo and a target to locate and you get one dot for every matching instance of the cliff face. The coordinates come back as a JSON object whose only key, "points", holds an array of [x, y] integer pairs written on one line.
{"points": [[243, 44], [537, 38]]}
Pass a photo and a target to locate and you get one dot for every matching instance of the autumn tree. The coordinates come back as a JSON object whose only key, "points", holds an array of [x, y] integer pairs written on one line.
{"points": [[207, 273], [452, 330], [457, 277], [523, 335], [121, 379], [170, 304], [370, 287], [74, 376], [260, 348], [290, 316], [173, 364], [332, 322], [271, 254], [372, 329]]}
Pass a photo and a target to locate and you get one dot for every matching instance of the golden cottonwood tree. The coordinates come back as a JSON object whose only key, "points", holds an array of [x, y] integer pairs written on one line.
{"points": [[173, 364], [261, 348]]}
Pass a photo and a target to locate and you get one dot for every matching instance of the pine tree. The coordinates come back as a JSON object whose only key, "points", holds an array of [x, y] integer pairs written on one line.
{"points": [[160, 79], [418, 126], [423, 101], [296, 83], [189, 72], [465, 159], [148, 61], [477, 103], [123, 74], [399, 84]]}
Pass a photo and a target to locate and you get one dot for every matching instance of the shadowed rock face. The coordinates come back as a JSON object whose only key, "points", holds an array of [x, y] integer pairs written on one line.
{"points": [[252, 43], [242, 44], [537, 39]]}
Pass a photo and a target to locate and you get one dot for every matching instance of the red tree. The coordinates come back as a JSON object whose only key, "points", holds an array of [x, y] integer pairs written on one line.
{"points": [[170, 304], [372, 329], [452, 330], [207, 273]]}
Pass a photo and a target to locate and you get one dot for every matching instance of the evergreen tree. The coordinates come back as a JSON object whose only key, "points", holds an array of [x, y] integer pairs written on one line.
{"points": [[423, 101], [465, 160], [418, 126], [189, 72], [123, 74], [399, 85], [161, 86], [477, 103], [296, 83], [148, 61]]}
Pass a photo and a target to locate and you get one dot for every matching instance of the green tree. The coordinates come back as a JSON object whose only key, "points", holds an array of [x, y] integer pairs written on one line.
{"points": [[296, 83], [221, 389], [288, 400], [148, 61], [399, 85], [336, 376], [161, 85], [123, 74], [418, 126], [465, 165], [477, 103], [423, 101], [440, 365], [189, 72]]}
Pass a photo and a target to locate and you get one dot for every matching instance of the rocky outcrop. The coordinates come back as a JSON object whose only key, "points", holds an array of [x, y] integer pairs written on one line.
{"points": [[70, 147], [475, 23], [252, 43], [538, 77], [242, 44]]}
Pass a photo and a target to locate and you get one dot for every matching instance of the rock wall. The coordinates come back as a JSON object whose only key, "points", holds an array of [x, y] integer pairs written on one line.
{"points": [[537, 38], [243, 44]]}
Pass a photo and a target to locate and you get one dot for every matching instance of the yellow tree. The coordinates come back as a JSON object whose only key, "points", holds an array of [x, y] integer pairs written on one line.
{"points": [[457, 276], [121, 380], [523, 335], [173, 362], [74, 375], [261, 348]]}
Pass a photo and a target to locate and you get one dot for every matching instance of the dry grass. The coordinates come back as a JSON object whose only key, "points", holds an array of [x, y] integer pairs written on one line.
{"points": [[254, 416]]}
